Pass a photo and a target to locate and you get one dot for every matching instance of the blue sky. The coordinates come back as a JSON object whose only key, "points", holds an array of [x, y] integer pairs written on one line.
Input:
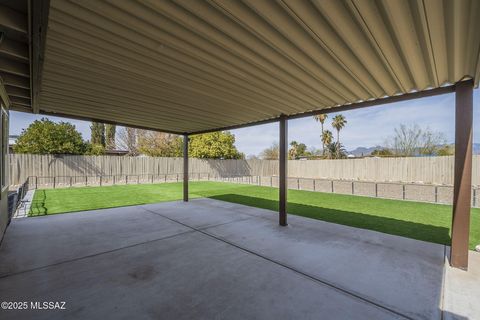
{"points": [[366, 127]]}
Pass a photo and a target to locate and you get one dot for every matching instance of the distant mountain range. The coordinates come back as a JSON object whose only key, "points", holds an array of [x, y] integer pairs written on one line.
{"points": [[365, 151]]}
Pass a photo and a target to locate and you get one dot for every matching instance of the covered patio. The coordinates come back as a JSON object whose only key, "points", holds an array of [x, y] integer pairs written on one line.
{"points": [[191, 67], [209, 259]]}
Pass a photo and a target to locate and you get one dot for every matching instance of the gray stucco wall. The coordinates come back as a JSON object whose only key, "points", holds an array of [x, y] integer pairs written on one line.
{"points": [[3, 212], [4, 194]]}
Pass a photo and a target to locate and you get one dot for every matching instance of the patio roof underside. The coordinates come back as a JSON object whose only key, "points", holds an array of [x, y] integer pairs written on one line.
{"points": [[192, 66]]}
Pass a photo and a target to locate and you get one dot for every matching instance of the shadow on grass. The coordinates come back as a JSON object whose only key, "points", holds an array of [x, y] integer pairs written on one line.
{"points": [[392, 226], [38, 207]]}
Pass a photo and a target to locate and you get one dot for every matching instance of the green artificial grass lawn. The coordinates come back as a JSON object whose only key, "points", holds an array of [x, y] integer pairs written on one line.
{"points": [[422, 221]]}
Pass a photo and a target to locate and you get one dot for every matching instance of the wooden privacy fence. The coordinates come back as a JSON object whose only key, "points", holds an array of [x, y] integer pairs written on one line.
{"points": [[24, 165], [389, 190], [421, 170]]}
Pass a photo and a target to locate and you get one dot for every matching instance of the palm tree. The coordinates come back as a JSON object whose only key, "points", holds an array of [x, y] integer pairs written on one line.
{"points": [[321, 118], [339, 123], [293, 152], [335, 150], [327, 138]]}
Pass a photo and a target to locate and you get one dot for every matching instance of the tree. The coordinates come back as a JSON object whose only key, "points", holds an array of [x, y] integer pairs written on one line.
{"points": [[301, 150], [446, 150], [321, 118], [297, 150], [327, 138], [214, 145], [270, 153], [110, 131], [408, 141], [384, 152], [293, 152], [128, 140], [159, 144], [47, 137], [95, 149], [97, 133], [430, 142], [313, 153], [339, 123], [335, 150]]}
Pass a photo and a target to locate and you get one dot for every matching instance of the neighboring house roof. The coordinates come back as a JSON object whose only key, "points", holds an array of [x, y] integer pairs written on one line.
{"points": [[116, 152], [12, 139]]}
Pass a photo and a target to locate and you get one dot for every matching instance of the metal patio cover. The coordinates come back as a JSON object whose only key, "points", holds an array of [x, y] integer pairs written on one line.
{"points": [[192, 66]]}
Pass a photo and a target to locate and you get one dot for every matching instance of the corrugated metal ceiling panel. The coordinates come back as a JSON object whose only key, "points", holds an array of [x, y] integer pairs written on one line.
{"points": [[189, 66]]}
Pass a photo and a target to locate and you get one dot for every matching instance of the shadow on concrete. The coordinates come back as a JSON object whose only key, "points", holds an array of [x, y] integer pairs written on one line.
{"points": [[409, 229]]}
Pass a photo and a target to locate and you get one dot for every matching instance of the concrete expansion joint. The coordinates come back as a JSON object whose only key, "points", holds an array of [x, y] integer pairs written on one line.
{"points": [[286, 266], [93, 255]]}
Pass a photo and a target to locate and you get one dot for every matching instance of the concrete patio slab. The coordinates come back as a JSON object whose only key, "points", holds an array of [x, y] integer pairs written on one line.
{"points": [[40, 241], [403, 274], [190, 276], [211, 259], [462, 290], [204, 216]]}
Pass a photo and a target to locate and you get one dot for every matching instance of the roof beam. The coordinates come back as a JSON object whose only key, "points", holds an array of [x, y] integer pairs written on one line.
{"points": [[14, 49], [20, 108], [14, 67], [56, 114], [18, 92], [15, 81], [39, 19], [359, 105], [13, 20], [3, 94], [20, 101], [377, 102]]}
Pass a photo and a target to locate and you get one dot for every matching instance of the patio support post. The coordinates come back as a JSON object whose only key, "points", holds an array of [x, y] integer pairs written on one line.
{"points": [[462, 186], [283, 170], [185, 167]]}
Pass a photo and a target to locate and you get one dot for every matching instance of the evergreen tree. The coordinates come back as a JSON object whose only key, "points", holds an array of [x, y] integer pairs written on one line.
{"points": [[98, 133], [110, 131]]}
